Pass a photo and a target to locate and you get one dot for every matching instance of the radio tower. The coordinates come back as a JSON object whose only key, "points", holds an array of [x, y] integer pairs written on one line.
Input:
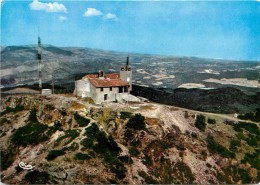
{"points": [[39, 58]]}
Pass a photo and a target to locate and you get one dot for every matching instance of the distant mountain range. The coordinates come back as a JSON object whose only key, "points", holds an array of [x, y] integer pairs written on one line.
{"points": [[64, 64]]}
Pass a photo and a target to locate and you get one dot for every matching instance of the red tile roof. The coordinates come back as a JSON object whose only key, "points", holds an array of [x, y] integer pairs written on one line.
{"points": [[111, 76], [107, 82]]}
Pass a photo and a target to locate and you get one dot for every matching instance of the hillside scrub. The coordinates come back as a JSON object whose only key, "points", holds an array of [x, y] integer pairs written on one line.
{"points": [[136, 122], [253, 116], [54, 154], [200, 122], [30, 134], [13, 110], [81, 120], [72, 134], [214, 147]]}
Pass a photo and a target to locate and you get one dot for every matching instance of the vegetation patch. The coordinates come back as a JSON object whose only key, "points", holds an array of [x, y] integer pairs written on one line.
{"points": [[125, 115], [253, 116], [252, 159], [200, 122], [136, 122], [37, 177], [13, 110], [211, 121], [54, 154], [32, 133], [82, 156], [250, 127], [72, 134], [214, 147], [148, 179], [234, 144], [3, 121], [81, 120]]}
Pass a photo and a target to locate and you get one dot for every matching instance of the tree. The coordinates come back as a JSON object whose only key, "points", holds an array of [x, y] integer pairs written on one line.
{"points": [[200, 122]]}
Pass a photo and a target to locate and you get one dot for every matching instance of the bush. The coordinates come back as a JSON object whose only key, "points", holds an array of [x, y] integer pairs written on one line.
{"points": [[3, 121], [37, 177], [211, 121], [81, 156], [250, 127], [125, 115], [234, 143], [252, 159], [147, 161], [253, 140], [214, 147], [81, 120], [92, 131], [54, 154], [13, 110], [136, 122], [200, 122], [133, 151], [69, 133], [87, 142], [32, 133]]}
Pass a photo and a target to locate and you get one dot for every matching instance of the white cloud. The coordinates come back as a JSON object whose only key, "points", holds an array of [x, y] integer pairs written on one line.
{"points": [[110, 16], [62, 18], [48, 7], [92, 12]]}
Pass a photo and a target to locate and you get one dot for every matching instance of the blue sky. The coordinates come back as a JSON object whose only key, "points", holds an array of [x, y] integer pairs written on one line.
{"points": [[211, 29]]}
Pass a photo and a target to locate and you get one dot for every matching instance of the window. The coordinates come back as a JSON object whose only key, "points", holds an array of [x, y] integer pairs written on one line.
{"points": [[105, 97], [110, 88], [101, 89]]}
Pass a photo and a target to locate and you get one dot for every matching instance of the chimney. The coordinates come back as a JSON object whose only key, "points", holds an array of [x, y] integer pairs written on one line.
{"points": [[127, 61]]}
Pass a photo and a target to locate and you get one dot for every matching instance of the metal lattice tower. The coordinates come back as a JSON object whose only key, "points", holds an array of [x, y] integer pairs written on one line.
{"points": [[39, 58]]}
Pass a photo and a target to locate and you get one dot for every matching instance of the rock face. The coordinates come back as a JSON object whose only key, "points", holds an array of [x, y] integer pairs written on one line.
{"points": [[69, 141]]}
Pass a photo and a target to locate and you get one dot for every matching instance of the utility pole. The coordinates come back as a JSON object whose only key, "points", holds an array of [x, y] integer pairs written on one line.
{"points": [[52, 85], [39, 58]]}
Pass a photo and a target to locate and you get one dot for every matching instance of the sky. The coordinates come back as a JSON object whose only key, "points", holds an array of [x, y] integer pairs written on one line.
{"points": [[208, 29]]}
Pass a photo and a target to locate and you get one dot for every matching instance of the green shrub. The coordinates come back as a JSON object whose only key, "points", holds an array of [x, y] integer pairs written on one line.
{"points": [[252, 159], [214, 147], [148, 179], [87, 142], [81, 156], [136, 122], [147, 160], [37, 177], [244, 175], [72, 134], [253, 140], [32, 133], [200, 122], [92, 131], [234, 143], [125, 159], [33, 116], [125, 115], [13, 110], [54, 154], [81, 120], [133, 151], [211, 121], [250, 127], [3, 121]]}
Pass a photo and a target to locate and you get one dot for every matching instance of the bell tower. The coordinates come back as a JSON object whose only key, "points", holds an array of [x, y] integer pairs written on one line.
{"points": [[126, 74]]}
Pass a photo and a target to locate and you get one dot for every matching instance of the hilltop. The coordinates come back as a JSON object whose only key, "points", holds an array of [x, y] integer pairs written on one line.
{"points": [[69, 140]]}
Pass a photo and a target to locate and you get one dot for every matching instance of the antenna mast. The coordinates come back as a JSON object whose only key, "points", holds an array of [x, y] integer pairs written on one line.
{"points": [[39, 58]]}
